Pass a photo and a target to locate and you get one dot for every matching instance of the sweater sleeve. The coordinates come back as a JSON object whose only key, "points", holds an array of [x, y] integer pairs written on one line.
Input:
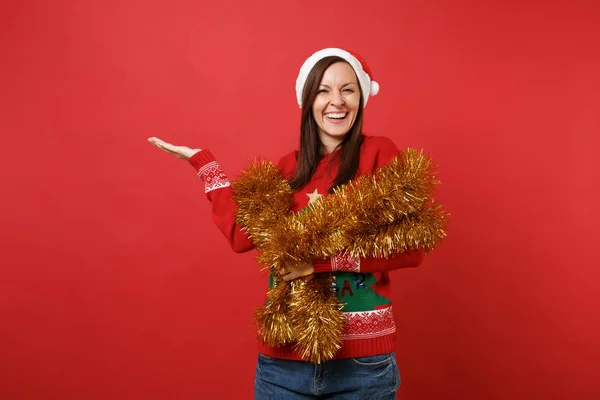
{"points": [[343, 262], [381, 150], [219, 192]]}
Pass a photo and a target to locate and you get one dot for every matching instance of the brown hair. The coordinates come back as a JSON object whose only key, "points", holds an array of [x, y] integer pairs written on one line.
{"points": [[310, 144]]}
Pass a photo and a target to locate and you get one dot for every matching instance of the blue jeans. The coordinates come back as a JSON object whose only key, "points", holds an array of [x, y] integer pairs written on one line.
{"points": [[374, 377]]}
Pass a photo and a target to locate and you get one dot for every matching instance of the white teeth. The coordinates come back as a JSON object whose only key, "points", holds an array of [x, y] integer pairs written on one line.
{"points": [[336, 115]]}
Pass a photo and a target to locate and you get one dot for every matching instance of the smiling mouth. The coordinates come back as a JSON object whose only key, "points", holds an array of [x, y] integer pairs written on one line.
{"points": [[336, 117]]}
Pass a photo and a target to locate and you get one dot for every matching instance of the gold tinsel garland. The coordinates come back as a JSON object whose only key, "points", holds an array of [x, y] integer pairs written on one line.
{"points": [[376, 215]]}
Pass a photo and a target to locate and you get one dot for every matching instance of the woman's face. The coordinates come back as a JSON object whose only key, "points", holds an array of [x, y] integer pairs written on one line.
{"points": [[336, 105]]}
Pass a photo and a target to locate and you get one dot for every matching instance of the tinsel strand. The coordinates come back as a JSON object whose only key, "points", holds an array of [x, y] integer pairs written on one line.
{"points": [[376, 215]]}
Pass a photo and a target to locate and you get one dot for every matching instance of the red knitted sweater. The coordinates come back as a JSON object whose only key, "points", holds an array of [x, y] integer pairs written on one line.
{"points": [[362, 284]]}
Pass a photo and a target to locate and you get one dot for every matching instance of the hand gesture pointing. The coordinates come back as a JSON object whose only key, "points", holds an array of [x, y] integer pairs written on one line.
{"points": [[182, 152]]}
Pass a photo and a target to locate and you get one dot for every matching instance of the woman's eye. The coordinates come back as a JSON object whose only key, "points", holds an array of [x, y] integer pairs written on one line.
{"points": [[348, 91], [322, 91]]}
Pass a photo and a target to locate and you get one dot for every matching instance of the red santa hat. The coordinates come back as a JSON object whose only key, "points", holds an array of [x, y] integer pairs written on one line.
{"points": [[367, 85]]}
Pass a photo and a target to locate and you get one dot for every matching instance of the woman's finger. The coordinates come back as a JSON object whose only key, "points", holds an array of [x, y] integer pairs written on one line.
{"points": [[155, 140], [182, 152], [288, 277], [167, 147], [162, 144]]}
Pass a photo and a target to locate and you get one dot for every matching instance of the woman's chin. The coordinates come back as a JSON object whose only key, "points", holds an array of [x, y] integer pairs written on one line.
{"points": [[337, 131]]}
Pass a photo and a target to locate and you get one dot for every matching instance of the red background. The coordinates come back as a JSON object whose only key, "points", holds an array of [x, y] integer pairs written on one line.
{"points": [[114, 282]]}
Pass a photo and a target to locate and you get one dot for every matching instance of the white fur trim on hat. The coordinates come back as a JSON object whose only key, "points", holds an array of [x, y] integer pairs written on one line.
{"points": [[368, 87]]}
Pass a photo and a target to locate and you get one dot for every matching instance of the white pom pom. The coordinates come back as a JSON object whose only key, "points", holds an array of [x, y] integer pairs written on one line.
{"points": [[374, 88]]}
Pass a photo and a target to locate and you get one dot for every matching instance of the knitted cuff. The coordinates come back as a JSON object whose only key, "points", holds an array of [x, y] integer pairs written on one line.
{"points": [[209, 170], [337, 262], [322, 265], [200, 159]]}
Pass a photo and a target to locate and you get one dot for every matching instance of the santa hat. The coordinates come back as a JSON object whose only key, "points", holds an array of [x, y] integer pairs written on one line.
{"points": [[368, 86]]}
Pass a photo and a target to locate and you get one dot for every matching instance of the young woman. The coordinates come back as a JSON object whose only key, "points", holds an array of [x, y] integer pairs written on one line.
{"points": [[332, 90]]}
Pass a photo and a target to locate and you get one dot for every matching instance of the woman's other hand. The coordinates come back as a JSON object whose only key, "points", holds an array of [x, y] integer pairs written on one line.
{"points": [[182, 152], [298, 272]]}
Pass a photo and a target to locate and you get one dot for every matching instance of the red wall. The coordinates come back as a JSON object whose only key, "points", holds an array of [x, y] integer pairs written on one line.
{"points": [[114, 282]]}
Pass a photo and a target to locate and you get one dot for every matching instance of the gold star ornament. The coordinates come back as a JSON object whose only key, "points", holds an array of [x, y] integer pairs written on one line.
{"points": [[314, 196]]}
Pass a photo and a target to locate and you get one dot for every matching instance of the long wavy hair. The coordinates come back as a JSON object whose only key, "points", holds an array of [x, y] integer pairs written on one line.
{"points": [[311, 149]]}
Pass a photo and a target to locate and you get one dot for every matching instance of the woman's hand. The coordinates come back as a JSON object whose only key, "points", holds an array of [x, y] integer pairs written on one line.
{"points": [[182, 152], [302, 270]]}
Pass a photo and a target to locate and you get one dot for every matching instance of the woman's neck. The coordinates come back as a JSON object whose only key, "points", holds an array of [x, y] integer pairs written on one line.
{"points": [[329, 145]]}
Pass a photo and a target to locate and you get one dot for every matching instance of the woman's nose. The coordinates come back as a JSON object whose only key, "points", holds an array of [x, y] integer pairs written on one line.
{"points": [[337, 98]]}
